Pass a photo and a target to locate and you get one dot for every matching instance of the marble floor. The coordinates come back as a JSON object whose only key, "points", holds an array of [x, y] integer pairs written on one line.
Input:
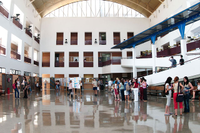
{"points": [[53, 112]]}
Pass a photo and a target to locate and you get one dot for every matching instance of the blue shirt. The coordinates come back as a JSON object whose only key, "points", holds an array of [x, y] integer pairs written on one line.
{"points": [[125, 85]]}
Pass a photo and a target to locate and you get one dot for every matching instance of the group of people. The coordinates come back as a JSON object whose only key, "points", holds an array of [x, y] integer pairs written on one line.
{"points": [[129, 89], [181, 93], [174, 63], [25, 86]]}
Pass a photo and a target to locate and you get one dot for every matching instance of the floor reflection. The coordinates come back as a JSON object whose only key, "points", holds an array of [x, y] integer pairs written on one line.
{"points": [[53, 112]]}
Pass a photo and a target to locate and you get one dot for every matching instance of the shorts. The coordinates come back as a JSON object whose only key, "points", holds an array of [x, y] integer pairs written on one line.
{"points": [[94, 88], [126, 92]]}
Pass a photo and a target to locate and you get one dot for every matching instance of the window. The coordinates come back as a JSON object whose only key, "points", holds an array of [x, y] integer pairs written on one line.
{"points": [[15, 72], [46, 59], [27, 73], [59, 59], [102, 38], [116, 38], [130, 34], [88, 38], [2, 70], [74, 38], [88, 59], [59, 39], [73, 59]]}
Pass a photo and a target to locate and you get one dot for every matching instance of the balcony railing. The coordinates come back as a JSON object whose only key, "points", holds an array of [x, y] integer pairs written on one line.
{"points": [[110, 62], [36, 63], [15, 55], [45, 64], [2, 49], [37, 40], [28, 33], [59, 42], [59, 64], [27, 60], [73, 64], [116, 42], [102, 42], [88, 64], [74, 42], [193, 45], [88, 42], [4, 11], [17, 23]]}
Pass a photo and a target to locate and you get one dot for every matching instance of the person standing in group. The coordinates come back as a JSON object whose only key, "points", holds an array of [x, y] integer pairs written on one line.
{"points": [[177, 89], [116, 91], [25, 88], [181, 62], [126, 89], [168, 92], [194, 91], [16, 89], [70, 89], [132, 89], [173, 61], [187, 88], [135, 89], [18, 86], [144, 86], [94, 84], [110, 85], [121, 88], [141, 89]]}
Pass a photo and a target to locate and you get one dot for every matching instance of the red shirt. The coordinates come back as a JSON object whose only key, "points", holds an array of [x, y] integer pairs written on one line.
{"points": [[136, 85]]}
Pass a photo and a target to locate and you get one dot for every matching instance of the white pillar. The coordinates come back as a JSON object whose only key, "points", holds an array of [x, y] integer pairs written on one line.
{"points": [[184, 48], [154, 55], [124, 54], [134, 66]]}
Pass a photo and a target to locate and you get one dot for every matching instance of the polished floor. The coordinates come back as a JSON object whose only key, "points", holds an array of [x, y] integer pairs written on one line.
{"points": [[53, 112]]}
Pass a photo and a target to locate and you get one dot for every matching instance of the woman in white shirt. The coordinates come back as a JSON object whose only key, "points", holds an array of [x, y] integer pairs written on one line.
{"points": [[168, 89], [70, 88]]}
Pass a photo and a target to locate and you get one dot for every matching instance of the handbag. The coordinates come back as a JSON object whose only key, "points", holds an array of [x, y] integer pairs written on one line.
{"points": [[180, 96]]}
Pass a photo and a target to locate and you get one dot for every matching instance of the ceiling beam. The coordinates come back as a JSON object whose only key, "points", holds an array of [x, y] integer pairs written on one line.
{"points": [[30, 2]]}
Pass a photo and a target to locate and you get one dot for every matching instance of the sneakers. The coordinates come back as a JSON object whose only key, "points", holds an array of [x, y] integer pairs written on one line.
{"points": [[167, 114]]}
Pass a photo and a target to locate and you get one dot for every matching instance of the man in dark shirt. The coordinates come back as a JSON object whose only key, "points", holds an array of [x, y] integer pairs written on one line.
{"points": [[181, 62]]}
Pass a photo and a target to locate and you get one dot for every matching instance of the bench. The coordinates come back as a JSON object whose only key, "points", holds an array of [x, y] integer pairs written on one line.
{"points": [[155, 90], [197, 93]]}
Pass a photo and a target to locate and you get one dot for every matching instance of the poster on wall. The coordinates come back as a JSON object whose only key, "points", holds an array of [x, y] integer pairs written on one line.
{"points": [[75, 82]]}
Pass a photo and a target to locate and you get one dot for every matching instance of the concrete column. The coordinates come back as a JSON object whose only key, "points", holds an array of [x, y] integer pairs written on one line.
{"points": [[81, 59], [184, 48], [134, 59], [124, 54], [154, 55]]}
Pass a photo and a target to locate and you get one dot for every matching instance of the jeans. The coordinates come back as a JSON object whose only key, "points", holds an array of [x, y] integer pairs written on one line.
{"points": [[122, 95], [16, 93], [186, 103], [141, 93]]}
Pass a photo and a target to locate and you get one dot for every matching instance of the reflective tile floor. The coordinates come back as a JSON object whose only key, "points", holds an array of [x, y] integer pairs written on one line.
{"points": [[53, 112]]}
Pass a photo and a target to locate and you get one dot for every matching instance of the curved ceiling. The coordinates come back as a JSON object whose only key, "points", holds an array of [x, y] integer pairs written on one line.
{"points": [[145, 7]]}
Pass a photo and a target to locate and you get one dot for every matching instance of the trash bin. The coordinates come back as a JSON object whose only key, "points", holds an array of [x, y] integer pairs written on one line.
{"points": [[8, 91]]}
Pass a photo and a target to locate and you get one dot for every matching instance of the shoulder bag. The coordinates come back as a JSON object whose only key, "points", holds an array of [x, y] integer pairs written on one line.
{"points": [[180, 96]]}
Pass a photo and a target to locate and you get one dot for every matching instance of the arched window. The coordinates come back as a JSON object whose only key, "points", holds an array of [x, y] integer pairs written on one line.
{"points": [[94, 8]]}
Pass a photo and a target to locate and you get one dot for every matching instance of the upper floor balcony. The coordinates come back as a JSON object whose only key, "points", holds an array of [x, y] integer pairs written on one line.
{"points": [[4, 11]]}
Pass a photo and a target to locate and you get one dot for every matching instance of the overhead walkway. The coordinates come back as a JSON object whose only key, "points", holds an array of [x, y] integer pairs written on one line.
{"points": [[191, 68]]}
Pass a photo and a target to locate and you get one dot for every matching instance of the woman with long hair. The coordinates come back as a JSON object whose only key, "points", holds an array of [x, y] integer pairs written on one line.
{"points": [[116, 89], [141, 89], [121, 88], [178, 87], [144, 86], [168, 89], [135, 89], [187, 88], [25, 88]]}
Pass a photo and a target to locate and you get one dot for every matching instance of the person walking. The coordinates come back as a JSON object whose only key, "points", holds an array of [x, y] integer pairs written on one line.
{"points": [[70, 89], [94, 84], [110, 85], [178, 87], [126, 90], [187, 88], [135, 89], [168, 91], [121, 88], [16, 89], [144, 86], [18, 86]]}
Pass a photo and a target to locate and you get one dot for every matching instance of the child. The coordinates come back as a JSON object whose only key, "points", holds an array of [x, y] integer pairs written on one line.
{"points": [[194, 91]]}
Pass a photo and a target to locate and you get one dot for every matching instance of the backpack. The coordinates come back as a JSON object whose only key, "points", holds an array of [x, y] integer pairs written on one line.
{"points": [[13, 86], [127, 87], [174, 62]]}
